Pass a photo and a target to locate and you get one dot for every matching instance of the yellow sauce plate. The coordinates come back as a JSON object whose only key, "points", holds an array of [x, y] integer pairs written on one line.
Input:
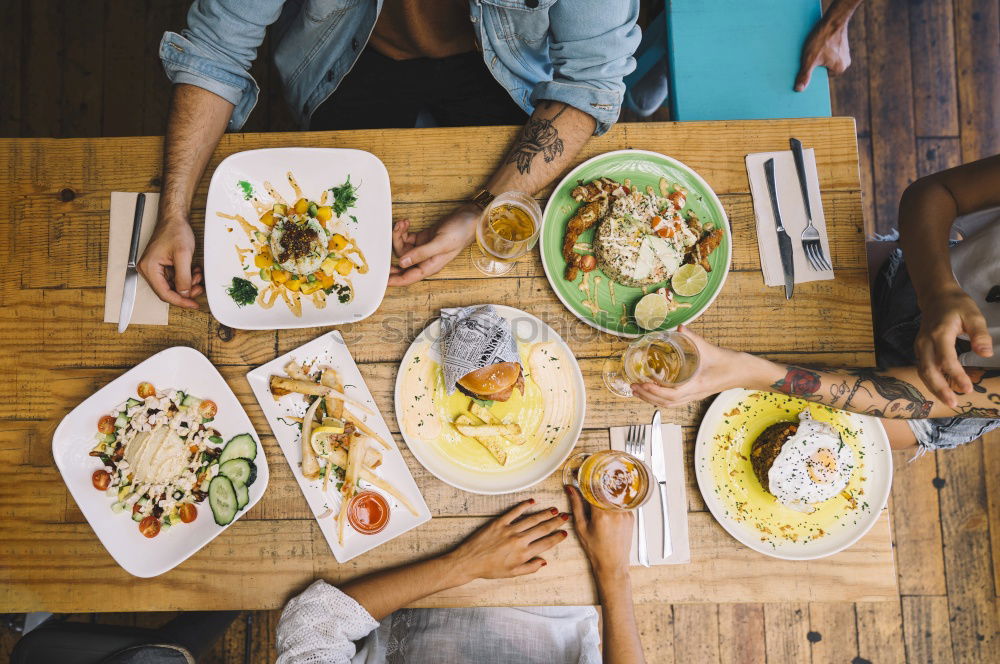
{"points": [[753, 516], [550, 412]]}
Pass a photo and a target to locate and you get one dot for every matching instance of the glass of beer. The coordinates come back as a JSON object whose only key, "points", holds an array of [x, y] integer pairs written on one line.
{"points": [[610, 479], [507, 230], [666, 358]]}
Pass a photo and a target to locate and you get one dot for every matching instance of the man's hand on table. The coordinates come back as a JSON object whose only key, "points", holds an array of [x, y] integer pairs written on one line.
{"points": [[719, 369], [426, 252], [166, 264], [510, 545], [944, 316]]}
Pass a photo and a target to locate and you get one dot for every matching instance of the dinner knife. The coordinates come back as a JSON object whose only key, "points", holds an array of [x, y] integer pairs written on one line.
{"points": [[131, 274], [784, 242], [800, 168], [660, 475]]}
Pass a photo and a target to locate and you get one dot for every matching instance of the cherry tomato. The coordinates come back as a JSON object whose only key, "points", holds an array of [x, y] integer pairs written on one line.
{"points": [[101, 479], [150, 526], [207, 409], [106, 424], [188, 512], [588, 263], [145, 390], [136, 507]]}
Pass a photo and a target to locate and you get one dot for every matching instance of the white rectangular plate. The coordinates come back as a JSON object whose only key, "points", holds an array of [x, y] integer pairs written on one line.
{"points": [[331, 350], [180, 368], [315, 170]]}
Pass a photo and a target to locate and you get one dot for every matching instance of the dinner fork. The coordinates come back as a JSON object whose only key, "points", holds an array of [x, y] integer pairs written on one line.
{"points": [[635, 444], [810, 236]]}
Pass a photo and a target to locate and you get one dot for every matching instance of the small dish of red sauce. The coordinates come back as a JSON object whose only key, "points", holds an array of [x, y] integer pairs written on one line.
{"points": [[368, 513]]}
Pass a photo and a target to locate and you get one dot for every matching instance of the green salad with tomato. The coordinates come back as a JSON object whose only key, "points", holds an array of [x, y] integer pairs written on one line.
{"points": [[162, 458]]}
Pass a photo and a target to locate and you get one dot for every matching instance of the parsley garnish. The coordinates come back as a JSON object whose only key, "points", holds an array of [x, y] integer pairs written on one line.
{"points": [[345, 196], [242, 291]]}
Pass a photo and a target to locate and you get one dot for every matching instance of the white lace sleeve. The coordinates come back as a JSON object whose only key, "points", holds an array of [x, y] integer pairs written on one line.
{"points": [[320, 626]]}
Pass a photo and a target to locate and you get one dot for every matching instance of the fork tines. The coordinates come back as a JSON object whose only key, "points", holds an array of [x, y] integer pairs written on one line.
{"points": [[814, 254]]}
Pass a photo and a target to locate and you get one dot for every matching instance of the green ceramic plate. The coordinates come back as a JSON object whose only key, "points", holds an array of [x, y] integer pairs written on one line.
{"points": [[598, 301]]}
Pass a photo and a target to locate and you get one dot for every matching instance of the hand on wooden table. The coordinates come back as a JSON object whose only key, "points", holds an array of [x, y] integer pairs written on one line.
{"points": [[166, 264], [426, 252], [511, 544]]}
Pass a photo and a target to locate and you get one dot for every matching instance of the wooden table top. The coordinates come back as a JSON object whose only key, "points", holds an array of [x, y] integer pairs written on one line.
{"points": [[54, 197]]}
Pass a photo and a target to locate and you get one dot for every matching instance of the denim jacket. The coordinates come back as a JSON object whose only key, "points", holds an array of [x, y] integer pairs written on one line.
{"points": [[573, 51]]}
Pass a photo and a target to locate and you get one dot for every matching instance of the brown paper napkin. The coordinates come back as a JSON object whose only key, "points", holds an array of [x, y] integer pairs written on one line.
{"points": [[793, 214], [676, 502], [149, 309]]}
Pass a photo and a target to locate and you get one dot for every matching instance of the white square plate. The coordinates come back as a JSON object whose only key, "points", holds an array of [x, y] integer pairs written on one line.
{"points": [[331, 350], [315, 170], [180, 368]]}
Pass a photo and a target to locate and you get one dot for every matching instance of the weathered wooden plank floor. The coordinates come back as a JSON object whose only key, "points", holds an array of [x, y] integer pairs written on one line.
{"points": [[925, 89]]}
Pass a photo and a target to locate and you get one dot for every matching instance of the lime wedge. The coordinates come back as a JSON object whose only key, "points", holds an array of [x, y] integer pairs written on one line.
{"points": [[651, 311], [689, 280]]}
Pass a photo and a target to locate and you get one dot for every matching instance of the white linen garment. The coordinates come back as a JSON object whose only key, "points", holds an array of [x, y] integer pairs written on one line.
{"points": [[325, 626]]}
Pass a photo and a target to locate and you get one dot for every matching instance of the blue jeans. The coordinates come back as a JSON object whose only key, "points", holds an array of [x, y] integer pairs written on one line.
{"points": [[897, 322]]}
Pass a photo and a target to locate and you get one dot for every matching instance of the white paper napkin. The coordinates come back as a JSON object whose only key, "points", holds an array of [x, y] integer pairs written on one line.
{"points": [[793, 214], [673, 449], [149, 309]]}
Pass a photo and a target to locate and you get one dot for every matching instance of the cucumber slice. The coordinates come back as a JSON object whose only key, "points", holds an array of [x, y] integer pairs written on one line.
{"points": [[190, 402], [242, 495], [138, 516], [240, 471], [312, 209], [120, 421], [132, 403], [240, 446], [117, 507], [223, 500]]}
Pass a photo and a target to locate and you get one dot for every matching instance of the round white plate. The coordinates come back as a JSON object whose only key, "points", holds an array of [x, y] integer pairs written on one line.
{"points": [[180, 368], [877, 483], [315, 169], [527, 329]]}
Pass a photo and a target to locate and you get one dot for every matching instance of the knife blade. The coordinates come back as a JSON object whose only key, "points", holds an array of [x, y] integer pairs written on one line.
{"points": [[784, 242], [800, 168], [659, 461], [131, 274]]}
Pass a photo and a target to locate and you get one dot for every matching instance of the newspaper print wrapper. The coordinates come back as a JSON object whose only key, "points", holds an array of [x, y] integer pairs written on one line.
{"points": [[473, 338]]}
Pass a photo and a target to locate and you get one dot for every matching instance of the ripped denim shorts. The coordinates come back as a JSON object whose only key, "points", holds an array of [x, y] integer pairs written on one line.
{"points": [[897, 322]]}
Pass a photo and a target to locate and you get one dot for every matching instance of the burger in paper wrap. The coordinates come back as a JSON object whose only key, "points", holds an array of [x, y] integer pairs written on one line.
{"points": [[479, 354]]}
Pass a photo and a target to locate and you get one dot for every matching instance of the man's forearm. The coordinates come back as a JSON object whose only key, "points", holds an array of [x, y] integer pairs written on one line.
{"points": [[897, 393], [196, 122], [548, 144], [382, 593], [620, 638]]}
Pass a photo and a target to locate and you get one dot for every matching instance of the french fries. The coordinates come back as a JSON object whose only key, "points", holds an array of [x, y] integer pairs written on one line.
{"points": [[494, 444], [285, 384], [485, 415], [488, 430]]}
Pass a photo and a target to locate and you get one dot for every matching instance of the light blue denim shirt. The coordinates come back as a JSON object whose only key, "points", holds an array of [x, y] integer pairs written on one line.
{"points": [[573, 51]]}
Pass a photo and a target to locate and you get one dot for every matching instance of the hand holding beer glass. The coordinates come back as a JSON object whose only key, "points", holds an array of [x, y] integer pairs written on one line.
{"points": [[507, 230], [667, 358]]}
